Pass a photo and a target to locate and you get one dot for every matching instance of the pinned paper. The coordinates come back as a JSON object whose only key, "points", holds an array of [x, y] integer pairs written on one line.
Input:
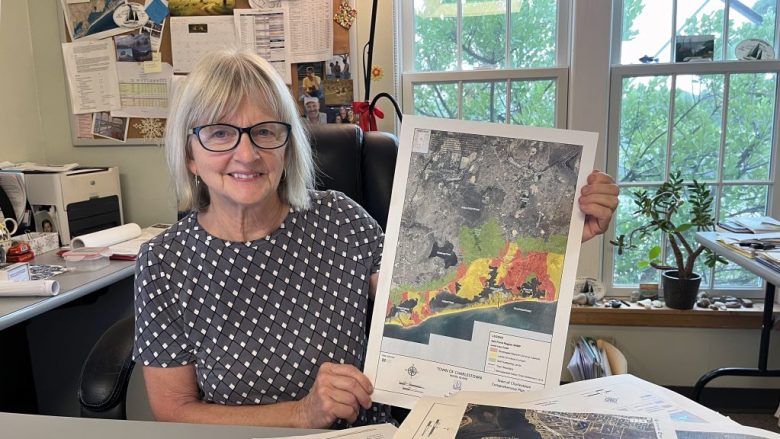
{"points": [[155, 65]]}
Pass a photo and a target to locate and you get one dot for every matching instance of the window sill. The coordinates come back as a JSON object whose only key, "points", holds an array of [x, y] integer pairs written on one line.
{"points": [[745, 318]]}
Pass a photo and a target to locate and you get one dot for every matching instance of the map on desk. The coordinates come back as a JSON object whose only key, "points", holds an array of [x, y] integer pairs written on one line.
{"points": [[480, 258]]}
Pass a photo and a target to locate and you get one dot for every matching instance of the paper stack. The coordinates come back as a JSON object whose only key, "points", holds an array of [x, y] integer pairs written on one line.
{"points": [[595, 359]]}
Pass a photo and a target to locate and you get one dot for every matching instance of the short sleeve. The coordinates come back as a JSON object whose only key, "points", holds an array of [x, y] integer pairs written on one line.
{"points": [[368, 233], [160, 337]]}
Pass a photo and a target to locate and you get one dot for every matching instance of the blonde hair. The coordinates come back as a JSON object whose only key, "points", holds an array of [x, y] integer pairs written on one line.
{"points": [[213, 91]]}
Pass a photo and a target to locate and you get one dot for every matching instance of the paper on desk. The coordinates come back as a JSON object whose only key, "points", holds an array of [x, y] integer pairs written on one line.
{"points": [[618, 392], [29, 288], [723, 431], [444, 418], [107, 237], [90, 67], [379, 431]]}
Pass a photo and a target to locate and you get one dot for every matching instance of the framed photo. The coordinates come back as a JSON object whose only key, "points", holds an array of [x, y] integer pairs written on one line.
{"points": [[694, 48]]}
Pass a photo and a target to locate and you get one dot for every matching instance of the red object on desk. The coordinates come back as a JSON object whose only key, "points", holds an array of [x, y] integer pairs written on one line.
{"points": [[20, 252]]}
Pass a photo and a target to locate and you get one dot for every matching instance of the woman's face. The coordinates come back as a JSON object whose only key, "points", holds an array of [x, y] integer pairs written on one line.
{"points": [[245, 177], [343, 112]]}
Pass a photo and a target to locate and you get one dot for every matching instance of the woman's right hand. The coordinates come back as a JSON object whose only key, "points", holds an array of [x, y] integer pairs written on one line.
{"points": [[339, 391]]}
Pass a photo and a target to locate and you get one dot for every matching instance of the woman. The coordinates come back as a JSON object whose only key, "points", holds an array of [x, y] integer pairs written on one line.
{"points": [[250, 310]]}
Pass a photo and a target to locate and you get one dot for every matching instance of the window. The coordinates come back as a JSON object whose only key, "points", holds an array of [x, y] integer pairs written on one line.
{"points": [[715, 121], [500, 61]]}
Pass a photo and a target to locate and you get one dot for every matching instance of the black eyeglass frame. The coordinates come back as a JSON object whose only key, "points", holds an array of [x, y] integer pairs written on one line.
{"points": [[241, 131]]}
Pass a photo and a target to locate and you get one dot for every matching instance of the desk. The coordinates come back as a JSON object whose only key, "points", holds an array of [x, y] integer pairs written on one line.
{"points": [[44, 340], [73, 285], [772, 278], [39, 426]]}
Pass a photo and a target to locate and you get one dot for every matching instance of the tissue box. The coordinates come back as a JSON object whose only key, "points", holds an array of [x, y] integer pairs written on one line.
{"points": [[41, 242]]}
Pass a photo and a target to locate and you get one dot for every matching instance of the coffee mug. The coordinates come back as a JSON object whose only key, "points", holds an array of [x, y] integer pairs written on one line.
{"points": [[7, 231]]}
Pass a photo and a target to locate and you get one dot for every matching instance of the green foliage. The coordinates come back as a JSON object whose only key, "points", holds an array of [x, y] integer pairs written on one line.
{"points": [[662, 212], [486, 241], [554, 244]]}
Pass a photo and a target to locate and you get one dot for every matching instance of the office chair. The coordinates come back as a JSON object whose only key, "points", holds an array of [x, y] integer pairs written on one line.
{"points": [[359, 164]]}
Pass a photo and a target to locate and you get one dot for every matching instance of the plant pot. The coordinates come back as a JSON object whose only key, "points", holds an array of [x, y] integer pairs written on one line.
{"points": [[680, 293]]}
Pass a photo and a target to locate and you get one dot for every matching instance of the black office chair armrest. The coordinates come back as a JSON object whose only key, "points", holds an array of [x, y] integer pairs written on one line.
{"points": [[106, 373]]}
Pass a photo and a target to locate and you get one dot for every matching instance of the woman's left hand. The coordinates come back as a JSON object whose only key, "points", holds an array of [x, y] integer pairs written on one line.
{"points": [[598, 201]]}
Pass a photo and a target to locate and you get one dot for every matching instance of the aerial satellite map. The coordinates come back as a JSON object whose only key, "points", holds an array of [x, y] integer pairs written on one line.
{"points": [[483, 235], [481, 421]]}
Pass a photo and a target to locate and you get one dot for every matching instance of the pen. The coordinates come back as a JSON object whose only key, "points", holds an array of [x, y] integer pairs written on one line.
{"points": [[625, 303]]}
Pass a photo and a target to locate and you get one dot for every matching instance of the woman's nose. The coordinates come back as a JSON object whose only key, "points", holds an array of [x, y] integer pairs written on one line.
{"points": [[245, 151]]}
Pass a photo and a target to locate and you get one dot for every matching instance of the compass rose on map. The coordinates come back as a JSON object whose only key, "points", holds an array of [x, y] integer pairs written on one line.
{"points": [[411, 370]]}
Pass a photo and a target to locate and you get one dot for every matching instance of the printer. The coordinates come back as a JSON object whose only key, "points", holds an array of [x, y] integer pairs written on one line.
{"points": [[79, 201]]}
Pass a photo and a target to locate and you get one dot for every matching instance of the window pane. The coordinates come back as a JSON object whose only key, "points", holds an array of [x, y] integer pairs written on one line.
{"points": [[702, 18], [436, 100], [533, 103], [533, 33], [697, 123], [625, 269], [485, 101], [435, 31], [647, 27], [644, 113], [749, 126], [484, 34], [743, 201], [750, 19], [740, 201]]}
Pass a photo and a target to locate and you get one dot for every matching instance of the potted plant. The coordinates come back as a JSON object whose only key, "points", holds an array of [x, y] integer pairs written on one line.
{"points": [[669, 212]]}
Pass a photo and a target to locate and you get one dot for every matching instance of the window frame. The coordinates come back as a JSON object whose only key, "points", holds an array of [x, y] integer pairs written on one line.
{"points": [[619, 72], [558, 73]]}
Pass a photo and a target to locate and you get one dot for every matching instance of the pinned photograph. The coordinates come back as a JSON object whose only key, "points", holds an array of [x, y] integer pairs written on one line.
{"points": [[694, 48], [338, 67], [310, 78], [341, 114], [154, 31], [189, 8], [338, 91], [104, 125], [45, 219], [135, 47]]}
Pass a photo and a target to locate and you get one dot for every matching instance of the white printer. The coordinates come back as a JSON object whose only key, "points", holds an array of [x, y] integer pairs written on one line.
{"points": [[79, 201]]}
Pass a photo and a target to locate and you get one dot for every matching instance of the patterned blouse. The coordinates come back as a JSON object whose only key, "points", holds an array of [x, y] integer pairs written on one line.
{"points": [[257, 318]]}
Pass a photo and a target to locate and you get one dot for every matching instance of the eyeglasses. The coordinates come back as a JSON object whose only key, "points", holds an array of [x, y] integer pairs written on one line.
{"points": [[221, 137]]}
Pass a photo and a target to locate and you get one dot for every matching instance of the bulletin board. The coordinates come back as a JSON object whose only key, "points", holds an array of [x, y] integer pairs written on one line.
{"points": [[144, 131]]}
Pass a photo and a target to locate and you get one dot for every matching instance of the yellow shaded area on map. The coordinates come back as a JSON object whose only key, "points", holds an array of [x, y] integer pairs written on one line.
{"points": [[555, 270], [471, 283]]}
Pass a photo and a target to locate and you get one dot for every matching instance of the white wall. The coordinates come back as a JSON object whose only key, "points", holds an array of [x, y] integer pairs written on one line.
{"points": [[20, 122]]}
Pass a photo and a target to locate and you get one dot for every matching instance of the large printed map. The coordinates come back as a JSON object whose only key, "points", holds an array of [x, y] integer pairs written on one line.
{"points": [[483, 235], [479, 261]]}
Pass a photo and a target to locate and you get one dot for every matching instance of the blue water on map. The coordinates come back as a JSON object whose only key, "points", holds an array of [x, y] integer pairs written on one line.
{"points": [[530, 315]]}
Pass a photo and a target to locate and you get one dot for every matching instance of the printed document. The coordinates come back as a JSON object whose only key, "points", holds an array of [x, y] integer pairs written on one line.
{"points": [[480, 259], [90, 67], [266, 32], [311, 30], [446, 418], [143, 94]]}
